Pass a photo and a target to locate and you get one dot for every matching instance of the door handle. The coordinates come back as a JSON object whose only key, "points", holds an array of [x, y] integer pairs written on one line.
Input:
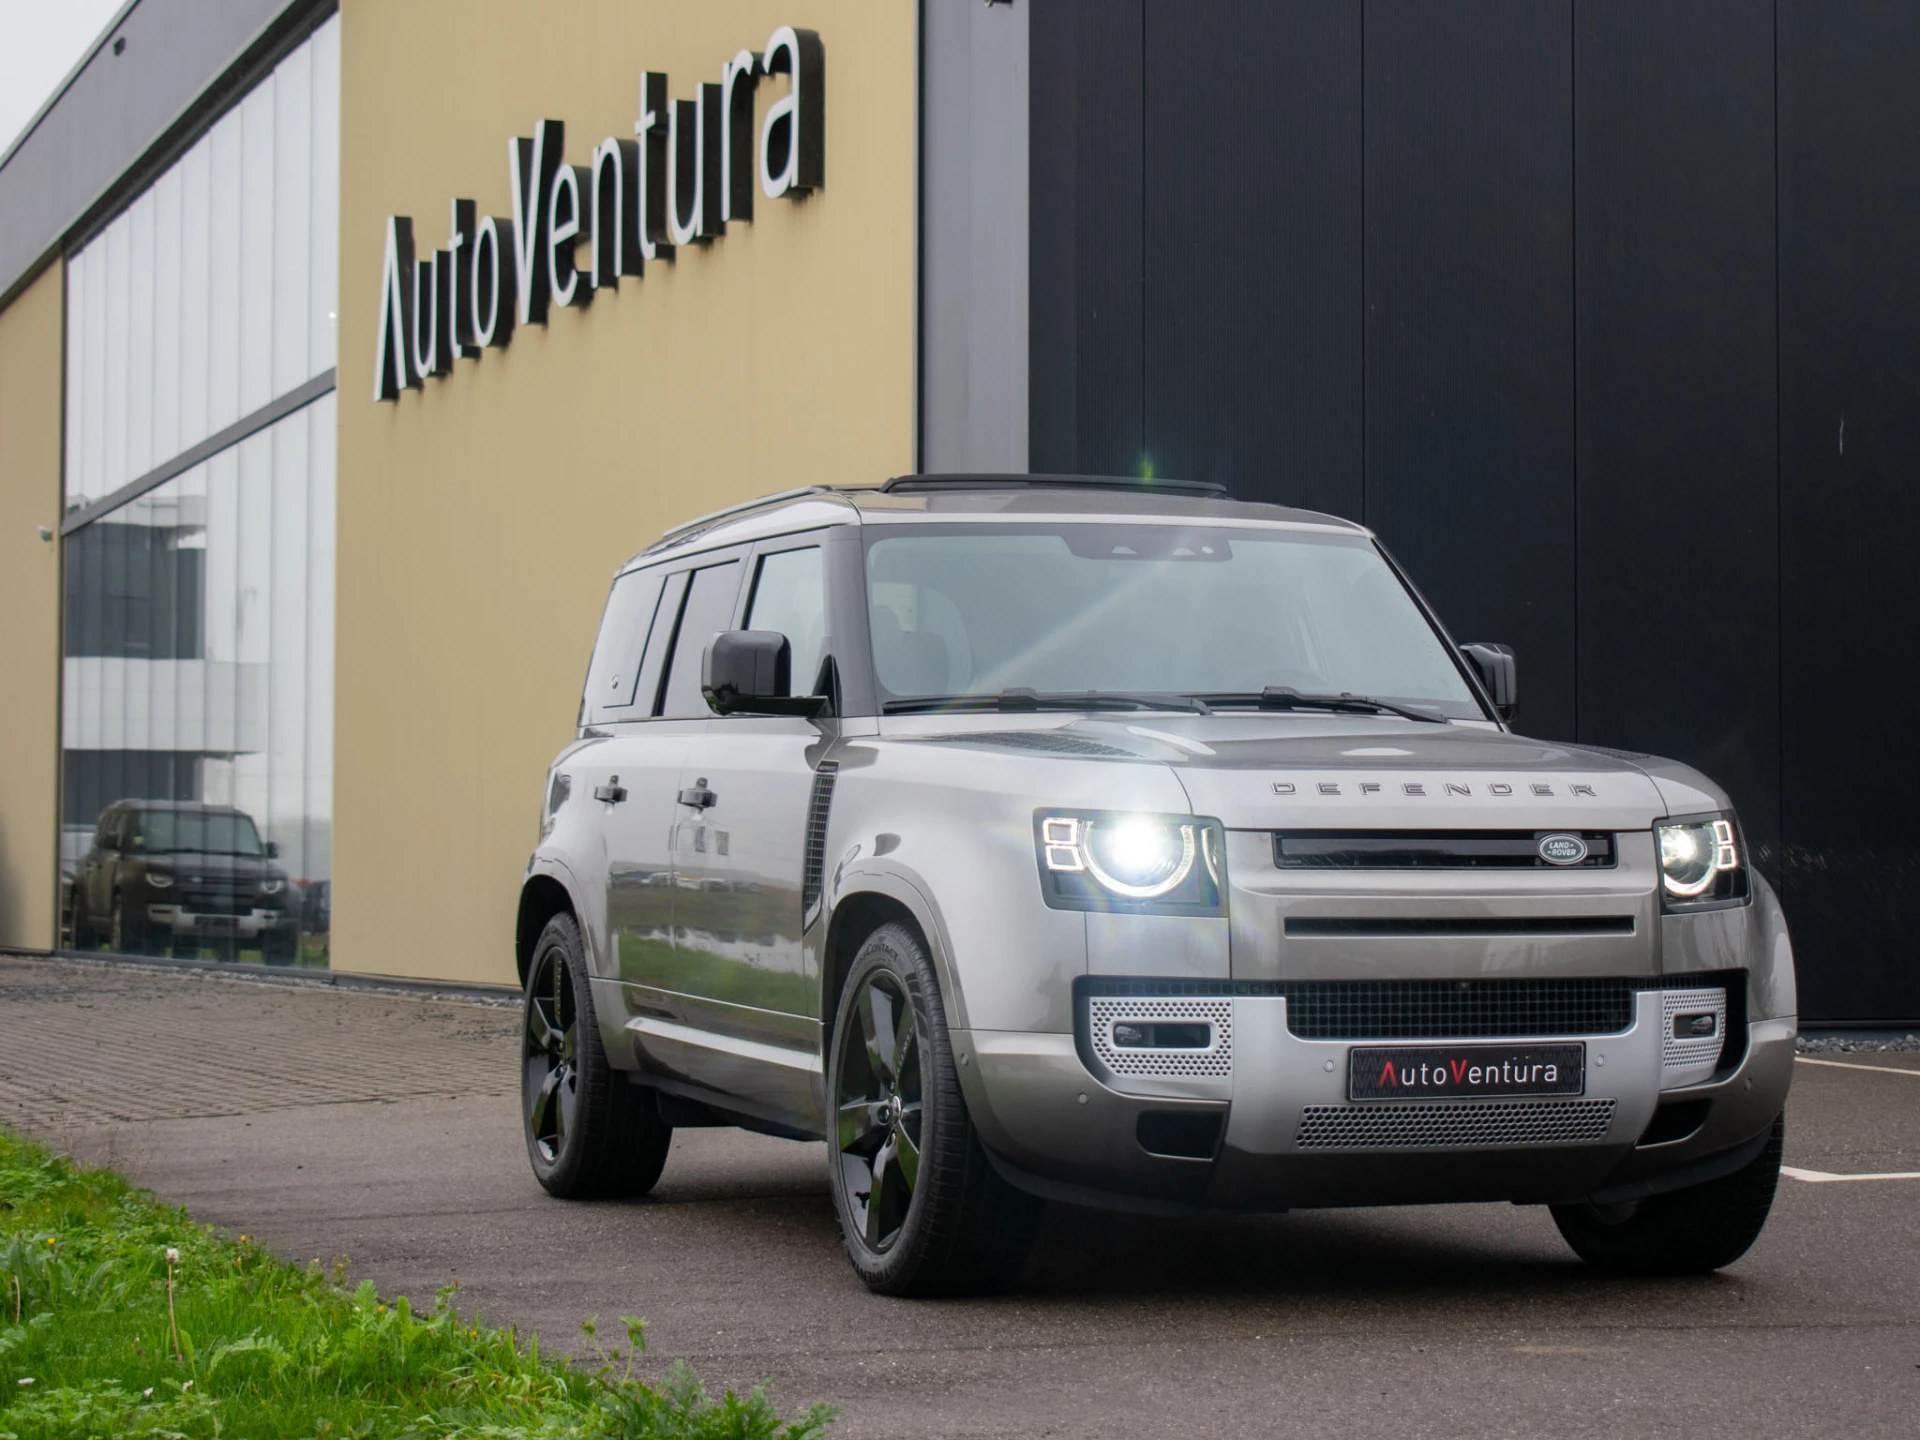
{"points": [[698, 795], [612, 793]]}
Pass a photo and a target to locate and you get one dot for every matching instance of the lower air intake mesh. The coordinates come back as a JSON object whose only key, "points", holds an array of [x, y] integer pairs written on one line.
{"points": [[1452, 1124], [1456, 1009]]}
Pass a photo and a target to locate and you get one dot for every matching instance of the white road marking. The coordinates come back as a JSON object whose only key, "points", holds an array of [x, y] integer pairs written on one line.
{"points": [[1821, 1177], [1851, 1065]]}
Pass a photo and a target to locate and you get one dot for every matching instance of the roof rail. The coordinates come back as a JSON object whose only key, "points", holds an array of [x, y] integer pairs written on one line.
{"points": [[689, 527], [926, 484]]}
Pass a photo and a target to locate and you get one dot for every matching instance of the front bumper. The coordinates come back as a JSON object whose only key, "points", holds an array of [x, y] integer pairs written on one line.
{"points": [[1287, 1136], [183, 921]]}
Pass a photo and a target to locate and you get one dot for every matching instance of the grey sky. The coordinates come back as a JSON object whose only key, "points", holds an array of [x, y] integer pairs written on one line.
{"points": [[39, 42]]}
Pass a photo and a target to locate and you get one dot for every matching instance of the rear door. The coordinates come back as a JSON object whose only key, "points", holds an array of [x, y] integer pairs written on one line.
{"points": [[644, 759], [751, 982]]}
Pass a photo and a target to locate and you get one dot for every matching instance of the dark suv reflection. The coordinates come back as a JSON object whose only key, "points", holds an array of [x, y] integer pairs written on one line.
{"points": [[166, 876]]}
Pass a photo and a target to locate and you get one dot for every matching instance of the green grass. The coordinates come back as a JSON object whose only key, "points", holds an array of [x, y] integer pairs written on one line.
{"points": [[267, 1349]]}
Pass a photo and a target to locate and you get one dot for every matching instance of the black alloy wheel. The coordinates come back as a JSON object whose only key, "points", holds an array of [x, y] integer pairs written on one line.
{"points": [[124, 938], [550, 1072], [590, 1130], [922, 1211], [1680, 1232], [879, 1109]]}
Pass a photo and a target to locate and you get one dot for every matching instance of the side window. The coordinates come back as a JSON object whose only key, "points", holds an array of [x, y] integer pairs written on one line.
{"points": [[790, 596], [653, 664], [614, 674], [708, 611]]}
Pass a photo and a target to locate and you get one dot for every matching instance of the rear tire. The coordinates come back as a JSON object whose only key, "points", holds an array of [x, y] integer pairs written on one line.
{"points": [[591, 1132], [1683, 1232], [921, 1209]]}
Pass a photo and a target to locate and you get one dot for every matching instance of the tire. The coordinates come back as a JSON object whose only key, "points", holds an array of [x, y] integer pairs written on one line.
{"points": [[921, 1209], [1683, 1232], [591, 1133], [129, 936], [280, 947]]}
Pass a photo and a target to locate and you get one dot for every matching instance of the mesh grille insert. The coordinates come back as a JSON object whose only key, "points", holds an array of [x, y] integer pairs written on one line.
{"points": [[1453, 1125], [1456, 1009], [1215, 1060]]}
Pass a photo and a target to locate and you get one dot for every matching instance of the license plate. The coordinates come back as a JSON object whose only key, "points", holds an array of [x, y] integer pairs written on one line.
{"points": [[1446, 1072]]}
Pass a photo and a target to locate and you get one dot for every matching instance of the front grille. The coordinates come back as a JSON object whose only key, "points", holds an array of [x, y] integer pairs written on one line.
{"points": [[1502, 1009], [1456, 1009], [1215, 1060], [1452, 1124], [1430, 850]]}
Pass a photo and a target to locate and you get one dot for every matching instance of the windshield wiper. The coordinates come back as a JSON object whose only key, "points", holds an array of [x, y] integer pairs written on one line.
{"points": [[1285, 697], [1021, 698]]}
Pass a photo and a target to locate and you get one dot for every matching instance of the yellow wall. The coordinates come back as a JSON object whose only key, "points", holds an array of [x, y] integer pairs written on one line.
{"points": [[481, 521], [30, 385]]}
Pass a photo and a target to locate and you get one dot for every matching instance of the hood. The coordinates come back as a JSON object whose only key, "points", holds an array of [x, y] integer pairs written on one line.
{"points": [[1310, 771]]}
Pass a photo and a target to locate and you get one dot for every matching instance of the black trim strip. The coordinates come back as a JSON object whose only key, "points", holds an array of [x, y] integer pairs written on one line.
{"points": [[1323, 926], [244, 428]]}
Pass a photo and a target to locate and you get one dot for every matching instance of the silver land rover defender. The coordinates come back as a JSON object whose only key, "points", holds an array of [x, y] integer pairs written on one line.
{"points": [[1051, 837]]}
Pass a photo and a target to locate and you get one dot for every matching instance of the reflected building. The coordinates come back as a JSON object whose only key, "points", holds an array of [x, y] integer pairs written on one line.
{"points": [[196, 729]]}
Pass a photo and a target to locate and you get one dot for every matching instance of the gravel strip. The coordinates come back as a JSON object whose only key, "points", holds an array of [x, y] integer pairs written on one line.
{"points": [[1873, 1041]]}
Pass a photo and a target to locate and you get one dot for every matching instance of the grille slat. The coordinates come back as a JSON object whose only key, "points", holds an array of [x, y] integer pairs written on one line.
{"points": [[814, 865], [1430, 850], [1442, 926], [1453, 1124]]}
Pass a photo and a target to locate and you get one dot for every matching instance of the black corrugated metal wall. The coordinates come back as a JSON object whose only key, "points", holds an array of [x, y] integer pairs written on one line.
{"points": [[1604, 313]]}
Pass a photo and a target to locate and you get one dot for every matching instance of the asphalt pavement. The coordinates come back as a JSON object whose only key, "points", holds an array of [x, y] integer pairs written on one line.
{"points": [[330, 1122]]}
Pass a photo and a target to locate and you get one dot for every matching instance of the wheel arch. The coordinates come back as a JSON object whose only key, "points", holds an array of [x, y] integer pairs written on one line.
{"points": [[541, 898], [870, 901]]}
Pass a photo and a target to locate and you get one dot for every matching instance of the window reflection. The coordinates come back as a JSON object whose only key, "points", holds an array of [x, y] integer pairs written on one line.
{"points": [[197, 717]]}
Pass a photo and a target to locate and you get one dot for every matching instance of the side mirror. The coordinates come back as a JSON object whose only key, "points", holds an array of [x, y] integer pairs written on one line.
{"points": [[273, 849], [1494, 664], [750, 672]]}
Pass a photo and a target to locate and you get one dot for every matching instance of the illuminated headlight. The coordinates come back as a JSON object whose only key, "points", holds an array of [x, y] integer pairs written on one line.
{"points": [[1119, 860], [159, 881], [271, 887], [1700, 861]]}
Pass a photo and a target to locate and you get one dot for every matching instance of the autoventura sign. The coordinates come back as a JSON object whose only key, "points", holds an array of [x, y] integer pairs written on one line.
{"points": [[692, 166]]}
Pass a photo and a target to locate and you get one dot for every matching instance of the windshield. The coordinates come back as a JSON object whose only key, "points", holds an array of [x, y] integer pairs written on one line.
{"points": [[204, 832], [1149, 609]]}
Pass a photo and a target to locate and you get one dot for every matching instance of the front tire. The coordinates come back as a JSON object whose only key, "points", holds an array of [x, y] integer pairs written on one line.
{"points": [[129, 935], [1683, 1232], [591, 1133], [921, 1209]]}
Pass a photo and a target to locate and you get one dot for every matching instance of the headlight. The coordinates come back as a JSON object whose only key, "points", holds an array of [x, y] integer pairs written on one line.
{"points": [[1700, 861], [1120, 860], [158, 881], [271, 887]]}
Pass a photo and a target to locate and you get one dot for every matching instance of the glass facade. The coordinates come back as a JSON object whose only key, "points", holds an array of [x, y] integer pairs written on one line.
{"points": [[197, 699], [217, 289]]}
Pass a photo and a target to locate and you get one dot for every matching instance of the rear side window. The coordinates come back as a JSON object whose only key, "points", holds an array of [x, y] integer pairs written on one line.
{"points": [[613, 676], [708, 611]]}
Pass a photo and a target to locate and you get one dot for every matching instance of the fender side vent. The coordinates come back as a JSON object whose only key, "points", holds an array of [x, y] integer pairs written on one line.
{"points": [[813, 869]]}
